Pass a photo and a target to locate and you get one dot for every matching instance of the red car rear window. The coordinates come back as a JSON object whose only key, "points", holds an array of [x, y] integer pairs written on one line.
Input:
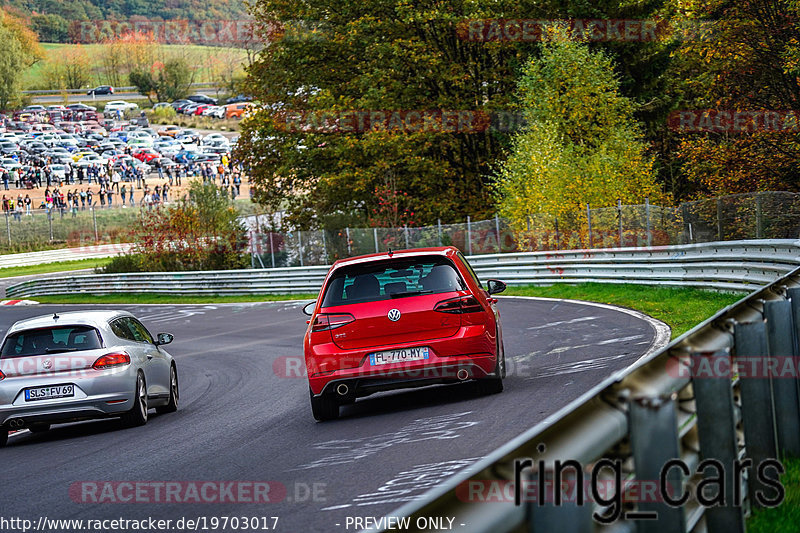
{"points": [[393, 278]]}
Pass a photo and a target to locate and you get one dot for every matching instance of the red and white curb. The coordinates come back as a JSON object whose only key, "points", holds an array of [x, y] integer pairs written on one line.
{"points": [[18, 302]]}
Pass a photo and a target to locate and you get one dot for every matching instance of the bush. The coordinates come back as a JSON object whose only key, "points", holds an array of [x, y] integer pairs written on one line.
{"points": [[201, 233], [163, 113], [122, 264]]}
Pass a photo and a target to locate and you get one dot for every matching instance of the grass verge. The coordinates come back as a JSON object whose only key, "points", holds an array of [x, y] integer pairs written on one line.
{"points": [[680, 308], [140, 298], [61, 266], [786, 517]]}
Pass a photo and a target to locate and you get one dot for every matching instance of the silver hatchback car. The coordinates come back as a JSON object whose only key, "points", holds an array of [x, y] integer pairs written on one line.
{"points": [[83, 365]]}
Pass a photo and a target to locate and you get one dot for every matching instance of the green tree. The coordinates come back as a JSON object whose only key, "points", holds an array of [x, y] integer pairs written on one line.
{"points": [[19, 48], [163, 82], [582, 144], [12, 61], [50, 28]]}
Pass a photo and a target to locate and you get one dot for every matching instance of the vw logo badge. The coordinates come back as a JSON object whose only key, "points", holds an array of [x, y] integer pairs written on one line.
{"points": [[47, 363], [394, 315]]}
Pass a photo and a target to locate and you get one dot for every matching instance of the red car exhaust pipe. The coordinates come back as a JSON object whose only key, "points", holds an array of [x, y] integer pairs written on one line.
{"points": [[342, 389], [462, 374]]}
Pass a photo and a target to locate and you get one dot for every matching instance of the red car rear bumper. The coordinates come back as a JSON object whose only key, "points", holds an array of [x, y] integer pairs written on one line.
{"points": [[471, 350]]}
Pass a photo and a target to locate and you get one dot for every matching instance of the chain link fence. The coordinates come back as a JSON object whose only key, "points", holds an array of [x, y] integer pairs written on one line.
{"points": [[767, 215]]}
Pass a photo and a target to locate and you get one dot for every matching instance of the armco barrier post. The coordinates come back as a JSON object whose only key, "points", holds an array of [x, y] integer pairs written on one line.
{"points": [[619, 219], [568, 514], [647, 221], [654, 441], [758, 413], [716, 428], [780, 340]]}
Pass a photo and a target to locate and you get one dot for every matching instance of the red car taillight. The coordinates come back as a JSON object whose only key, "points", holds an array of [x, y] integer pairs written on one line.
{"points": [[2, 376], [332, 321], [462, 304], [112, 359]]}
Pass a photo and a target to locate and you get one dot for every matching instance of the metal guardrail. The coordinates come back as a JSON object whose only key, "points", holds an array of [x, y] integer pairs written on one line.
{"points": [[61, 255], [130, 88], [653, 412], [737, 265]]}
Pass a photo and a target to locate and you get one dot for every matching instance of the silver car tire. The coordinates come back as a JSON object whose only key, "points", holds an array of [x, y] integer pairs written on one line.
{"points": [[174, 393], [137, 416]]}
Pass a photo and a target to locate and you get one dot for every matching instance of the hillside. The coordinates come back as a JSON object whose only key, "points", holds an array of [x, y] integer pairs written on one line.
{"points": [[55, 20]]}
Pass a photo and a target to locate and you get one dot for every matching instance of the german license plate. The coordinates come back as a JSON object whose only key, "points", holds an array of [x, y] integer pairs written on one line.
{"points": [[399, 356], [49, 392]]}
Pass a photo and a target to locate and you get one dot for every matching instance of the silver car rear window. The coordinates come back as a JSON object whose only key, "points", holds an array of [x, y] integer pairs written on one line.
{"points": [[55, 339]]}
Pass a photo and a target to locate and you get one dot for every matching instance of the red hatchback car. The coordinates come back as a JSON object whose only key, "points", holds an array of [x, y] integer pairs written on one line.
{"points": [[401, 319]]}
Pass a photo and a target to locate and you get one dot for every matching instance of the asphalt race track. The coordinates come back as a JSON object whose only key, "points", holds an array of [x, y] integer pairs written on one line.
{"points": [[243, 419]]}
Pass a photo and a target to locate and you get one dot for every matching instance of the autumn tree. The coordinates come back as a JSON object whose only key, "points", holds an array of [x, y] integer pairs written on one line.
{"points": [[200, 232], [582, 144], [738, 57], [330, 56], [19, 49]]}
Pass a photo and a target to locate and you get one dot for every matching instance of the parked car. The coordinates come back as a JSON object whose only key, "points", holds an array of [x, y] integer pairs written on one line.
{"points": [[83, 365], [120, 105], [237, 99], [101, 90], [237, 110], [202, 99], [169, 131], [401, 319], [81, 107]]}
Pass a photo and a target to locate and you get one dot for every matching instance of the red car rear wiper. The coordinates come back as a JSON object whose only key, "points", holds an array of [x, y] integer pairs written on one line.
{"points": [[408, 293]]}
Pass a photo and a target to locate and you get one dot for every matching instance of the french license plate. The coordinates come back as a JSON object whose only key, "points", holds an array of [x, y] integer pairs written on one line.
{"points": [[49, 392], [398, 356]]}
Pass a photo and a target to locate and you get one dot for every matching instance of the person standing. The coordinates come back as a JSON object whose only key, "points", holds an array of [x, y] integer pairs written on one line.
{"points": [[89, 196], [28, 203], [83, 200], [122, 192], [5, 179], [19, 208], [130, 196], [102, 195], [110, 196]]}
